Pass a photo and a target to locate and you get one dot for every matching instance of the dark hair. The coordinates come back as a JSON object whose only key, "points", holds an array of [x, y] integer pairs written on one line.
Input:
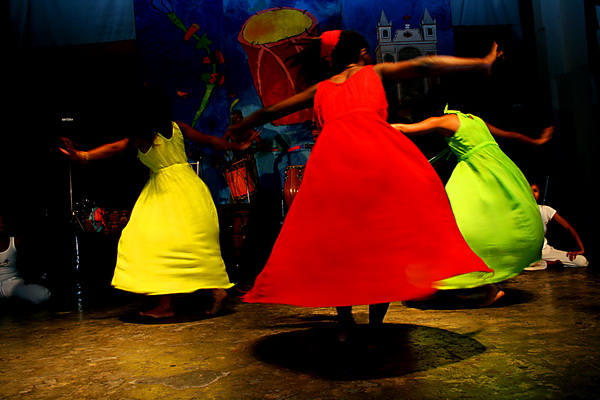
{"points": [[151, 113], [314, 69], [347, 50]]}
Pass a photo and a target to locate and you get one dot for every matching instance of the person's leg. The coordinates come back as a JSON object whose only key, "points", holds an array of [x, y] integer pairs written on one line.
{"points": [[580, 261], [346, 323], [7, 287], [35, 294], [492, 295], [554, 255], [537, 266], [164, 309], [345, 315], [218, 295], [377, 313]]}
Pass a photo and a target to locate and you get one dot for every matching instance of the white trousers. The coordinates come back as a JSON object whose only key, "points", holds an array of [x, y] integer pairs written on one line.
{"points": [[549, 254], [16, 287]]}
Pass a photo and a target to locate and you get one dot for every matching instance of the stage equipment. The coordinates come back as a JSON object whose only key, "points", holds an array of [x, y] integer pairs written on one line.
{"points": [[291, 182], [242, 178]]}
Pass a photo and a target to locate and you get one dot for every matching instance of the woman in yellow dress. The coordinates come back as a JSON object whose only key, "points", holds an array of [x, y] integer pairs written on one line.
{"points": [[171, 242]]}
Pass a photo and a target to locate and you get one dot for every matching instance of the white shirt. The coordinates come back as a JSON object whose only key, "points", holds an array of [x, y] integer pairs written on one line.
{"points": [[8, 261], [547, 213]]}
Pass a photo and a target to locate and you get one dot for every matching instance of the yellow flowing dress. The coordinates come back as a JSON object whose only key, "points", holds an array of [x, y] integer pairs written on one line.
{"points": [[171, 243]]}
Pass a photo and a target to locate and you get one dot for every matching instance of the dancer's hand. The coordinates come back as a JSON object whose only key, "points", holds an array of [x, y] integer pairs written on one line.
{"points": [[71, 152], [231, 134], [494, 54], [246, 143], [573, 254], [546, 135], [255, 134]]}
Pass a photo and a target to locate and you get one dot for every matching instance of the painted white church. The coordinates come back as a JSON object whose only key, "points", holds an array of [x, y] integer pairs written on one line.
{"points": [[404, 44]]}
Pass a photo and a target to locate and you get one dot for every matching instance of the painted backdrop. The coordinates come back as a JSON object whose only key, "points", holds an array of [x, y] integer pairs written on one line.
{"points": [[216, 56]]}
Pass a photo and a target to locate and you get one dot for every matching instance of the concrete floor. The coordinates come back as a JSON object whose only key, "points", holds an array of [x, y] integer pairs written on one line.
{"points": [[541, 341]]}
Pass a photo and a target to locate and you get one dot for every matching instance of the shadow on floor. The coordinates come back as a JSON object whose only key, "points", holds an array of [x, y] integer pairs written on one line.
{"points": [[104, 302], [445, 300], [365, 352], [133, 317]]}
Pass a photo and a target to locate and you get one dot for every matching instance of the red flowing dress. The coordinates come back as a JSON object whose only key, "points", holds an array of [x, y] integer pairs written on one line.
{"points": [[371, 222]]}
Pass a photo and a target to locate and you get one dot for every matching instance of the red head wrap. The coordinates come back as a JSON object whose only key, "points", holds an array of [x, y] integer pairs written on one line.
{"points": [[328, 41]]}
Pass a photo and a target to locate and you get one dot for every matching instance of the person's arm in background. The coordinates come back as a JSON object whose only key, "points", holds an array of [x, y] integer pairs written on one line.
{"points": [[544, 137], [436, 65], [446, 125], [565, 224], [285, 107], [213, 141], [103, 151]]}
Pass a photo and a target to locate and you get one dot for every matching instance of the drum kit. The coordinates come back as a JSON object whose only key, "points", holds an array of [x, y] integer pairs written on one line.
{"points": [[242, 179]]}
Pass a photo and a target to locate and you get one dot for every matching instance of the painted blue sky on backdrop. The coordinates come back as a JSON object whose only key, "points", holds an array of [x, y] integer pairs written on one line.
{"points": [[211, 67], [174, 64]]}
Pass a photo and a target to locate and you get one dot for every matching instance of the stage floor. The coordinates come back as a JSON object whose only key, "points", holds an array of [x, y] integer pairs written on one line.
{"points": [[541, 341]]}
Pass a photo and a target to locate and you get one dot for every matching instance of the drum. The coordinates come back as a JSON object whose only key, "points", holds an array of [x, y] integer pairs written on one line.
{"points": [[241, 176], [294, 156], [292, 180], [299, 154], [269, 38], [116, 221]]}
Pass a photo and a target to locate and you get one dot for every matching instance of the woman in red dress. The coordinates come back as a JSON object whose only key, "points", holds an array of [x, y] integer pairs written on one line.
{"points": [[371, 223]]}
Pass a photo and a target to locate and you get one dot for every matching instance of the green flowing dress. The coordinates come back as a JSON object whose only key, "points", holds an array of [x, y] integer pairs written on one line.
{"points": [[493, 206], [171, 243]]}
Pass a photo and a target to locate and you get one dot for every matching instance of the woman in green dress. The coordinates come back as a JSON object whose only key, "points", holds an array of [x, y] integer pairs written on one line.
{"points": [[490, 198]]}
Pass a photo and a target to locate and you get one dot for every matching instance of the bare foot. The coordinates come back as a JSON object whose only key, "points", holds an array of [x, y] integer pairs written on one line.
{"points": [[158, 312], [494, 294], [164, 308], [218, 296]]}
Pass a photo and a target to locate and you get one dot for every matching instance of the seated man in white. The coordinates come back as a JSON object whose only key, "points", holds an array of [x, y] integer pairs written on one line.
{"points": [[550, 255], [11, 284]]}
